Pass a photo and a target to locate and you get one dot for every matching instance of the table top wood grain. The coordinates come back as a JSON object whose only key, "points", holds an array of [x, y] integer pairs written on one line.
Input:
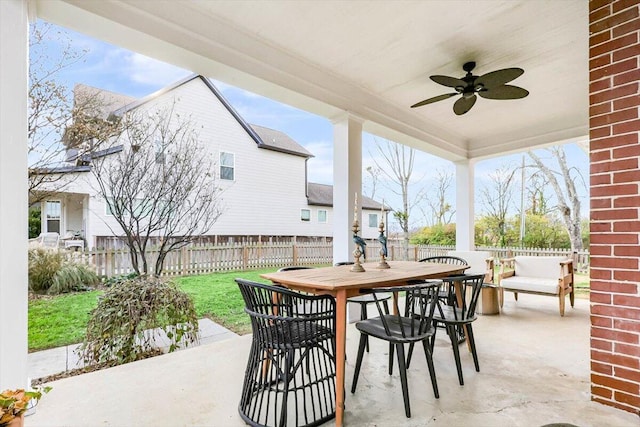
{"points": [[341, 277]]}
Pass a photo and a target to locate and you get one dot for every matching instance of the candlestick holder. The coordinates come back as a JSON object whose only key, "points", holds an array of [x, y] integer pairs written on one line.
{"points": [[383, 248], [359, 250]]}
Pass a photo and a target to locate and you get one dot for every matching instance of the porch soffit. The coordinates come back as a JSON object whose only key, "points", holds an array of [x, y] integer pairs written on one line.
{"points": [[373, 59]]}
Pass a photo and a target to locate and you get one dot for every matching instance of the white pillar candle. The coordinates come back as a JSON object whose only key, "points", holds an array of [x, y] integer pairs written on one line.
{"points": [[355, 208]]}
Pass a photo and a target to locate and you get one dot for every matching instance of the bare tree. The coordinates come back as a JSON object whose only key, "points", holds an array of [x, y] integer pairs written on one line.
{"points": [[441, 210], [568, 202], [496, 198], [159, 186], [397, 165], [50, 107], [374, 175]]}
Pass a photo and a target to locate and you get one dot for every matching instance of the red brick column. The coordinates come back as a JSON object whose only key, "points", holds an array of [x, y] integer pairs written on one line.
{"points": [[614, 74]]}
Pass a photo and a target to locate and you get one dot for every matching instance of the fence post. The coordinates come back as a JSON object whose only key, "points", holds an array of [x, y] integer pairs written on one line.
{"points": [[295, 254], [245, 257], [185, 261]]}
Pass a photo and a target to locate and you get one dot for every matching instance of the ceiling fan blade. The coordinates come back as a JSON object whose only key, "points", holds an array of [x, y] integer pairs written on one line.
{"points": [[498, 78], [448, 81], [504, 92], [463, 104], [434, 99]]}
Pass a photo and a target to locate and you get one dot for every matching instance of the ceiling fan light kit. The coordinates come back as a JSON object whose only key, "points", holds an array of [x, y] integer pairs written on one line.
{"points": [[492, 85]]}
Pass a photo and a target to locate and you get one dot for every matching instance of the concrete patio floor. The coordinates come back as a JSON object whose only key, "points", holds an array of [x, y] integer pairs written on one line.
{"points": [[534, 371]]}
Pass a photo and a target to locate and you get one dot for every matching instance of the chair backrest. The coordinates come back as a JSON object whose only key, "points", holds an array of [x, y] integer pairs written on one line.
{"points": [[420, 303], [338, 264], [467, 299], [269, 305], [546, 267], [445, 259], [50, 240], [477, 260], [294, 267]]}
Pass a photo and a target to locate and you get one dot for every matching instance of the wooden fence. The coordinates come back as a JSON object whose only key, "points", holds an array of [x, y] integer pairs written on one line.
{"points": [[238, 257]]}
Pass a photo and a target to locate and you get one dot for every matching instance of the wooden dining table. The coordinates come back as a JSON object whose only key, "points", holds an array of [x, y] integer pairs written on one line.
{"points": [[342, 283]]}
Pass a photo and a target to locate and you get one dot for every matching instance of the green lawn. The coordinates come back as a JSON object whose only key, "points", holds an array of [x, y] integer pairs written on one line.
{"points": [[62, 320]]}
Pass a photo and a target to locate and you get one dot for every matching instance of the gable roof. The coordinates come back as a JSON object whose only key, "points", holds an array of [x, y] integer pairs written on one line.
{"points": [[266, 138], [103, 102], [322, 195], [279, 141]]}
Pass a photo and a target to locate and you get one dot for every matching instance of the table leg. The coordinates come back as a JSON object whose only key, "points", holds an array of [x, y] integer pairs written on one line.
{"points": [[341, 334]]}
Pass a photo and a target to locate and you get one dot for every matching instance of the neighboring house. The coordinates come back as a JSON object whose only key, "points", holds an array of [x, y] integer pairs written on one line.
{"points": [[261, 171]]}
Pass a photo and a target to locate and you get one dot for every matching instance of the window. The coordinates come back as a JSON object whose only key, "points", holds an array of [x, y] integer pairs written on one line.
{"points": [[159, 145], [373, 220], [305, 215], [227, 166], [322, 215], [53, 210]]}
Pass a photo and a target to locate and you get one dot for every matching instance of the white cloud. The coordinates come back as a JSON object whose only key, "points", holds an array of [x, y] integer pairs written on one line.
{"points": [[320, 167], [148, 71]]}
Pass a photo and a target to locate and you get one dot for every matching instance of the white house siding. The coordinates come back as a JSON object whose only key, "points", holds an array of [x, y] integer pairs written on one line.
{"points": [[267, 194]]}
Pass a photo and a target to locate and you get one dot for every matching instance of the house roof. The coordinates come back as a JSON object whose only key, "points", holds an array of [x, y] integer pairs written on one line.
{"points": [[266, 138], [62, 170], [322, 195], [279, 141], [105, 101], [96, 154]]}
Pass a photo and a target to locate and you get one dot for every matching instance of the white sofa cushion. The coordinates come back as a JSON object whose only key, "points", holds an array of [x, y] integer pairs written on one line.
{"points": [[477, 260], [546, 267], [531, 284]]}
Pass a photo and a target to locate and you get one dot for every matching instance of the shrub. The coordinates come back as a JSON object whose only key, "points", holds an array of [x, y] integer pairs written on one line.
{"points": [[116, 280], [34, 222], [50, 272], [43, 265], [73, 277], [129, 317]]}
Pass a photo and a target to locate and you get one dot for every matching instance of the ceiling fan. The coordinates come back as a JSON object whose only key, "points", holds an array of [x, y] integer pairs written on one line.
{"points": [[490, 86]]}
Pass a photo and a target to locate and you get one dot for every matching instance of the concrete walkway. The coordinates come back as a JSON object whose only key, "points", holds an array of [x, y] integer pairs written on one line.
{"points": [[61, 359], [534, 371]]}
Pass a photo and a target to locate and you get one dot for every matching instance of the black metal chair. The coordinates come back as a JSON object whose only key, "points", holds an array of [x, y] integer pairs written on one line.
{"points": [[414, 326], [446, 294], [291, 369], [463, 314], [366, 299]]}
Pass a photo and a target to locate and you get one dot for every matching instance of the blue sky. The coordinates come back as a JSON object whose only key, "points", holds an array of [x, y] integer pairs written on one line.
{"points": [[119, 70]]}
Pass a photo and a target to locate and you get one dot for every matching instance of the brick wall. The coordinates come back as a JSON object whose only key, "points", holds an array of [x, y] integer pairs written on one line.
{"points": [[614, 74]]}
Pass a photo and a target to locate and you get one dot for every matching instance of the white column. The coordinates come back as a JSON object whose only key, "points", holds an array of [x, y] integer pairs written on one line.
{"points": [[465, 212], [14, 36], [347, 181]]}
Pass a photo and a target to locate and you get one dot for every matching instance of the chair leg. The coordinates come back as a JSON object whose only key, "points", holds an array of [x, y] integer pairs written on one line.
{"points": [[561, 297], [451, 330], [572, 296], [288, 359], [391, 347], [403, 379], [356, 372], [472, 342], [363, 316], [409, 354], [432, 370]]}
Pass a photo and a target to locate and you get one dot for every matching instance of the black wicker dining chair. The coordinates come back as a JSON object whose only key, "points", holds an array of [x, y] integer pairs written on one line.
{"points": [[291, 369], [366, 299], [463, 314], [415, 325]]}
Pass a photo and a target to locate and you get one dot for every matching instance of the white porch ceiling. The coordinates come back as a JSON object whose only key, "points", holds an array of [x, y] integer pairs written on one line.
{"points": [[373, 59]]}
